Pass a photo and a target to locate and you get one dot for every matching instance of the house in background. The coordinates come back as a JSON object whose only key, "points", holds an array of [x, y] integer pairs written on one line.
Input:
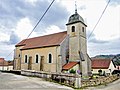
{"points": [[106, 65], [3, 64], [6, 65]]}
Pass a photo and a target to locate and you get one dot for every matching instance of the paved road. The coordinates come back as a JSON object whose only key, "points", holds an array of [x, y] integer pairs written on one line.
{"points": [[17, 82]]}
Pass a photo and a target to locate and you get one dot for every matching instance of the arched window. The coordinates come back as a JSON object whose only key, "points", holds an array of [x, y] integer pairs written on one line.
{"points": [[73, 28], [50, 58], [26, 58], [36, 58], [83, 29]]}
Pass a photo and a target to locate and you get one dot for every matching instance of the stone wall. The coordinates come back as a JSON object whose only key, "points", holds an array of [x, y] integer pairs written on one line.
{"points": [[99, 81], [71, 80]]}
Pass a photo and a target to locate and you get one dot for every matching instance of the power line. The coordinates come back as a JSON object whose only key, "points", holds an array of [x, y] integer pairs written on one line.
{"points": [[47, 11], [41, 17], [99, 19], [97, 22], [39, 20], [9, 54], [35, 25]]}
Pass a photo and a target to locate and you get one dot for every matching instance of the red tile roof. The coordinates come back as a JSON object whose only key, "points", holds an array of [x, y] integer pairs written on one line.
{"points": [[43, 41], [69, 65], [100, 63], [3, 62]]}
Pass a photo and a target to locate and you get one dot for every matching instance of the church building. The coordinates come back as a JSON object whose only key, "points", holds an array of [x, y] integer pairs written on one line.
{"points": [[54, 52]]}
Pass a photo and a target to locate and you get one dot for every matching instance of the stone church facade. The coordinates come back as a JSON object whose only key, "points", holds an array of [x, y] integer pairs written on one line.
{"points": [[50, 53]]}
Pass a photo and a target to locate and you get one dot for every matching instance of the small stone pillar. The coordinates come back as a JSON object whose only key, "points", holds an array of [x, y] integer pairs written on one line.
{"points": [[78, 81]]}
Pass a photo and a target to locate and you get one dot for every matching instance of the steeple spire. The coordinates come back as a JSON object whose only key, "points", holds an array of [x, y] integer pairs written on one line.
{"points": [[75, 8]]}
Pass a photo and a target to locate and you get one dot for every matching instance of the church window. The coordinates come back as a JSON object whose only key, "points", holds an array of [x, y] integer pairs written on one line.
{"points": [[50, 58], [83, 29], [73, 28], [37, 58], [26, 58], [19, 55]]}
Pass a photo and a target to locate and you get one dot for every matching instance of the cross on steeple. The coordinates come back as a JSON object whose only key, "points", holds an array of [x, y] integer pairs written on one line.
{"points": [[75, 8]]}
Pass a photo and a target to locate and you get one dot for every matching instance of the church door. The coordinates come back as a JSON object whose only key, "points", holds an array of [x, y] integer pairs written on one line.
{"points": [[30, 63], [42, 63]]}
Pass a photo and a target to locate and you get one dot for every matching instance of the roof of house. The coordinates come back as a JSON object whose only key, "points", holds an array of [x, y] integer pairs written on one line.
{"points": [[69, 65], [3, 62], [100, 63], [43, 41]]}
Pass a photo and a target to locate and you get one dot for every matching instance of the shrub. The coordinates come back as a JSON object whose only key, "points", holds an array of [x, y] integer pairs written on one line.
{"points": [[72, 71]]}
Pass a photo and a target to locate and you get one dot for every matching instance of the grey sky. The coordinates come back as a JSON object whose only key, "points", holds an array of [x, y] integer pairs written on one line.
{"points": [[11, 12]]}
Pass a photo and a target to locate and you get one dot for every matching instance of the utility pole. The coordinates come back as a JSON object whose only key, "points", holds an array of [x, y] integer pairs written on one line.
{"points": [[3, 66]]}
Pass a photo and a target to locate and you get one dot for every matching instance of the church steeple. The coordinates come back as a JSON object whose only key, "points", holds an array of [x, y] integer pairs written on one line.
{"points": [[76, 30]]}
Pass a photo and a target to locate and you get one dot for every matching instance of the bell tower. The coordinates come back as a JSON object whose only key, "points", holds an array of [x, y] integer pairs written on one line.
{"points": [[76, 30]]}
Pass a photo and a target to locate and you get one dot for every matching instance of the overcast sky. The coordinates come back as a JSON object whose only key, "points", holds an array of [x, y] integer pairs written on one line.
{"points": [[18, 17]]}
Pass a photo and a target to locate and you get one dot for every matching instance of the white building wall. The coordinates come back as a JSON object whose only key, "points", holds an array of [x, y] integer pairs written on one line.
{"points": [[10, 67], [3, 67], [111, 67], [109, 70]]}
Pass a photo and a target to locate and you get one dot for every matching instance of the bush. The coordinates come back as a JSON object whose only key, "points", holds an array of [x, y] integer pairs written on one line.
{"points": [[72, 71]]}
